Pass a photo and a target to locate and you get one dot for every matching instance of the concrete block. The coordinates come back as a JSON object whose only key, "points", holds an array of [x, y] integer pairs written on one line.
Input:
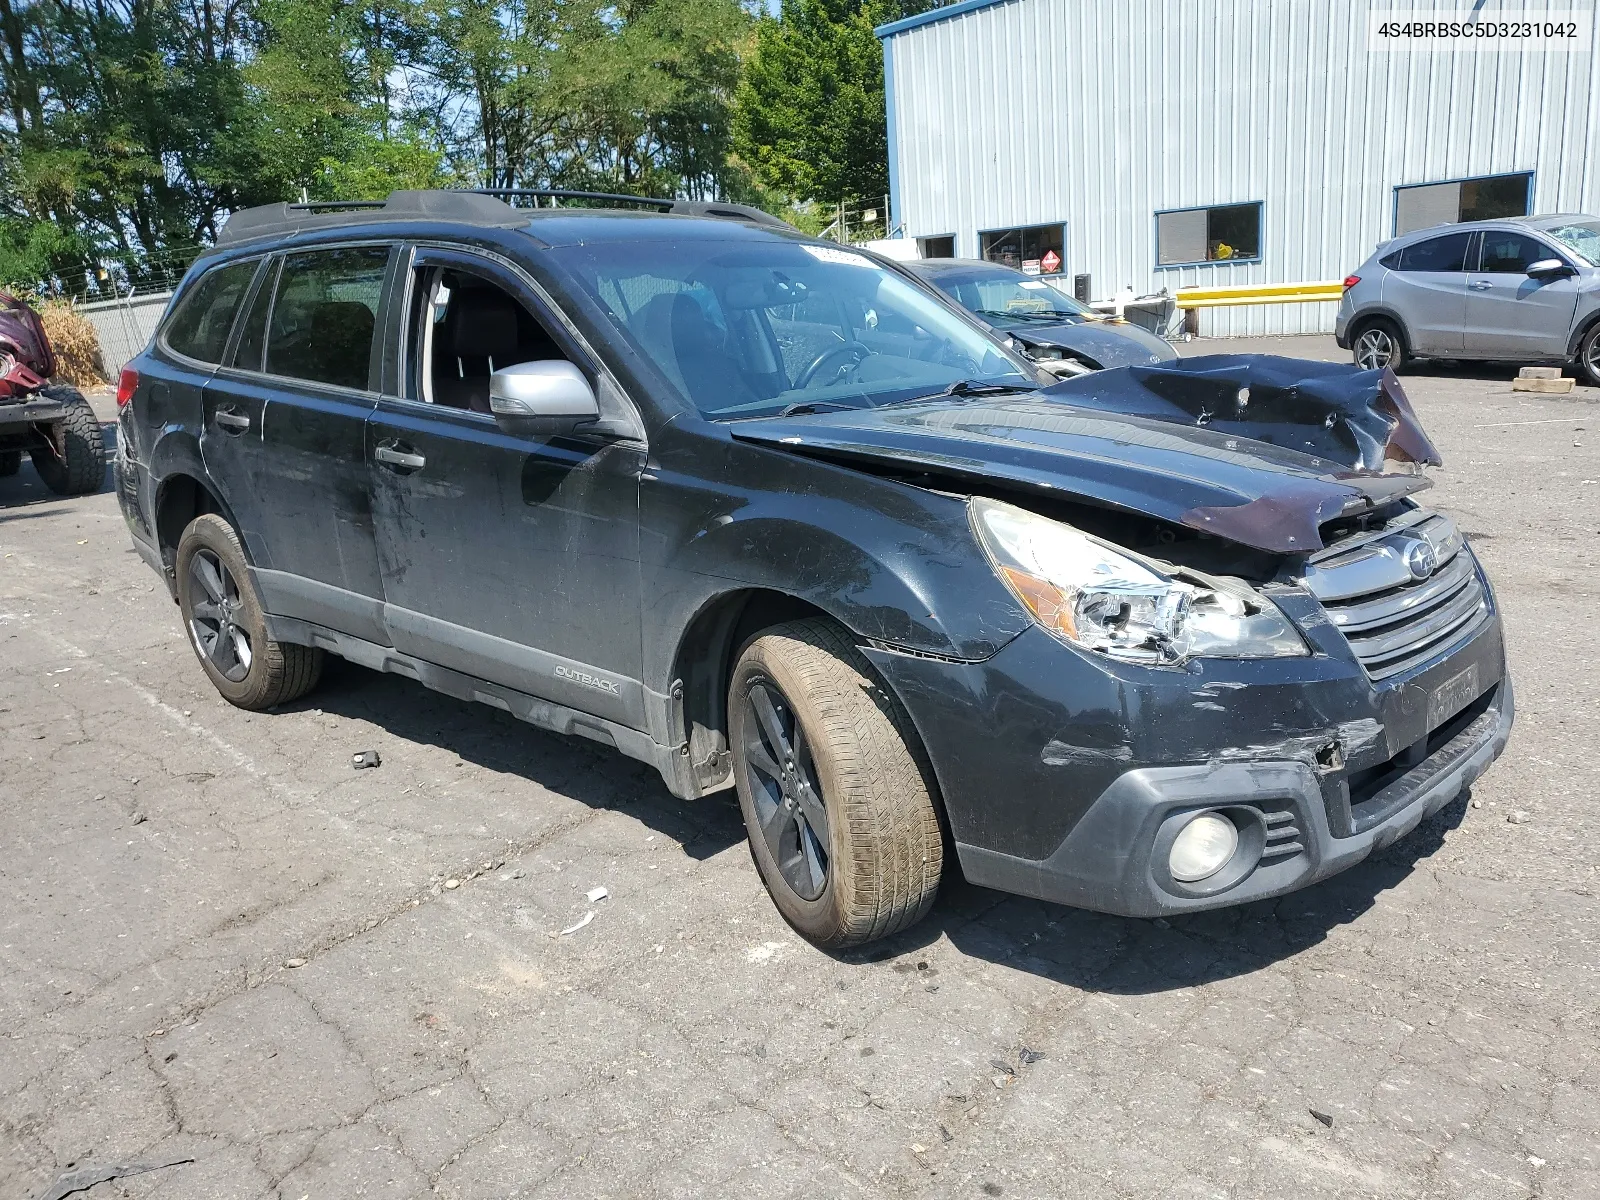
{"points": [[1541, 385]]}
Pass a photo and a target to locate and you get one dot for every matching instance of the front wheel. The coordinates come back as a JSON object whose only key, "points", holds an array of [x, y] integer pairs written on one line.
{"points": [[1378, 344], [77, 464], [228, 628], [836, 794]]}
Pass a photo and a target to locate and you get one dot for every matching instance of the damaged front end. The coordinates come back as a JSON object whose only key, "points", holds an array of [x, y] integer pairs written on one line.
{"points": [[1254, 658], [1263, 452]]}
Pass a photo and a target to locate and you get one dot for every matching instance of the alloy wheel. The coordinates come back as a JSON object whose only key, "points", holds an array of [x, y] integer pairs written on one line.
{"points": [[1591, 358], [1374, 350], [215, 610], [783, 788]]}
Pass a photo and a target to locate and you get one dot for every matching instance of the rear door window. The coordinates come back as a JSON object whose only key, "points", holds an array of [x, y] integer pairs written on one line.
{"points": [[325, 315], [253, 331], [1511, 253], [1448, 253], [199, 328]]}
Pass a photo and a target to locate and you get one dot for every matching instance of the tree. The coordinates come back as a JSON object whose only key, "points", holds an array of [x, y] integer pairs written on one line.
{"points": [[129, 129], [809, 119]]}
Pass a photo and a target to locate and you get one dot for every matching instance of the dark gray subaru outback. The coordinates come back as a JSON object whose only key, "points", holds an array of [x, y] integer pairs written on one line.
{"points": [[766, 512]]}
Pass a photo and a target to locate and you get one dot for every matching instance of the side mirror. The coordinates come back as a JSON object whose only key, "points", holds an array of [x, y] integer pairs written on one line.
{"points": [[1549, 268], [537, 399]]}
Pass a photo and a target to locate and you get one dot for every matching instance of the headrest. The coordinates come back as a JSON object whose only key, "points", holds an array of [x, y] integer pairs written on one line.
{"points": [[343, 316], [483, 324], [692, 330]]}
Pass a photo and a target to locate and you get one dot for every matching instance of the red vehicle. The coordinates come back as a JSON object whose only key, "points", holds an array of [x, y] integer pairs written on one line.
{"points": [[51, 421]]}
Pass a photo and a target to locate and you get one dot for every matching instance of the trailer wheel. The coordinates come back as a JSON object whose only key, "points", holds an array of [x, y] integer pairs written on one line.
{"points": [[82, 467]]}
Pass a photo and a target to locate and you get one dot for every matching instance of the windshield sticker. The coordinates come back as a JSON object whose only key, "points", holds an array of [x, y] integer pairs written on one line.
{"points": [[1033, 285], [828, 254]]}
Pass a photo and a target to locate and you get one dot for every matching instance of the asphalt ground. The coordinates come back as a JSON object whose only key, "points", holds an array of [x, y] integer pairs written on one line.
{"points": [[220, 943]]}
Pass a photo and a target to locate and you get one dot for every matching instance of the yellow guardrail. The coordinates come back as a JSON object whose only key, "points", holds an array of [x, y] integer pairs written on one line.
{"points": [[1260, 293]]}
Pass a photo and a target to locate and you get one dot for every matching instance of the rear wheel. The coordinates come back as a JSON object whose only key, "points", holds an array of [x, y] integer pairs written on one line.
{"points": [[836, 794], [1589, 356], [227, 627], [1378, 344], [10, 462], [78, 464]]}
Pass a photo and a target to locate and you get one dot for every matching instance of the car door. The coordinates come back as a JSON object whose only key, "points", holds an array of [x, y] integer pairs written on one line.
{"points": [[510, 558], [1428, 288], [194, 341], [1509, 313], [286, 425]]}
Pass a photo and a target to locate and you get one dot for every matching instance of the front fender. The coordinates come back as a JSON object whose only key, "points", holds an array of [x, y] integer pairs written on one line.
{"points": [[891, 562]]}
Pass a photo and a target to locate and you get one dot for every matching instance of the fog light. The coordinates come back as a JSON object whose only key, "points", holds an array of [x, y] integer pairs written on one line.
{"points": [[1202, 848]]}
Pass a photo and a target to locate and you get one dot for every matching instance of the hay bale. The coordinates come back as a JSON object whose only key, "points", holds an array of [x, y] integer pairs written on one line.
{"points": [[76, 344]]}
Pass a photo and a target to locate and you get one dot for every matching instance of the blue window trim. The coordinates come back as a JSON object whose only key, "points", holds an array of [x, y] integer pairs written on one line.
{"points": [[937, 14], [894, 136], [1394, 202], [1155, 233]]}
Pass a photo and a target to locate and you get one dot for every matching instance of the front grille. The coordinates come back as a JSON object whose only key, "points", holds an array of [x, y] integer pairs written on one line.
{"points": [[1403, 596]]}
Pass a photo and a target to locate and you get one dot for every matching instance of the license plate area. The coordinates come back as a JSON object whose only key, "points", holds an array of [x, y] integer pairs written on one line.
{"points": [[1451, 696]]}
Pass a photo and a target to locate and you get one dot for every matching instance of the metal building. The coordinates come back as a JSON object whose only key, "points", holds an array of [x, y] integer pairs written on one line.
{"points": [[1168, 143]]}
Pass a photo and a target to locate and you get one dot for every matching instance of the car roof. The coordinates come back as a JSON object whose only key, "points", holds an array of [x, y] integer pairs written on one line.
{"points": [[1540, 221], [487, 209], [929, 267]]}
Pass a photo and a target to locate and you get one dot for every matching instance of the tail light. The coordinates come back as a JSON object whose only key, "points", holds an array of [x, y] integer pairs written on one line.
{"points": [[1350, 281], [126, 386]]}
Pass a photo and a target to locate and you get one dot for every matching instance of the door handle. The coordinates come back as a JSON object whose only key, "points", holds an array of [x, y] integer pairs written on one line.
{"points": [[400, 461], [231, 422], [1480, 285]]}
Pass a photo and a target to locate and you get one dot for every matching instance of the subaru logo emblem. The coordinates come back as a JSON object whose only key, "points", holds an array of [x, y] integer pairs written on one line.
{"points": [[1420, 558]]}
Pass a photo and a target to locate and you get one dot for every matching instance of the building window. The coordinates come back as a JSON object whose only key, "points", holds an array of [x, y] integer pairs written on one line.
{"points": [[1227, 233], [943, 246], [1036, 249], [1485, 198]]}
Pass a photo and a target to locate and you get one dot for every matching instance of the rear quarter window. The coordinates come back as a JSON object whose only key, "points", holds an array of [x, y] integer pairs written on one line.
{"points": [[200, 325], [1440, 254]]}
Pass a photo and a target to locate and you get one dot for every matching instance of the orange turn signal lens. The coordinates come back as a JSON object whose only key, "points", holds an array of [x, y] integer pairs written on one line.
{"points": [[1048, 603]]}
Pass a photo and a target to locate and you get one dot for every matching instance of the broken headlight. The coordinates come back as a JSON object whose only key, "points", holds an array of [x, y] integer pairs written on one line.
{"points": [[1096, 596]]}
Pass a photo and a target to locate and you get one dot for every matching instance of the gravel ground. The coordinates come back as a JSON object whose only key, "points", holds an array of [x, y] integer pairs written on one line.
{"points": [[220, 943]]}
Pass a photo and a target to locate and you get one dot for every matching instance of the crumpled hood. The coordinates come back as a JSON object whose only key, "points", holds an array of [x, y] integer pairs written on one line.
{"points": [[1099, 341], [1258, 450]]}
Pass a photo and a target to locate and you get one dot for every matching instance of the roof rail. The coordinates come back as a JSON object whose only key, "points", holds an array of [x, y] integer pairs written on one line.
{"points": [[564, 194], [277, 220], [690, 208], [480, 206]]}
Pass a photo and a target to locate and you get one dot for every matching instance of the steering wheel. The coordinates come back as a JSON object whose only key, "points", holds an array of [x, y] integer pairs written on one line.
{"points": [[854, 350], [960, 360]]}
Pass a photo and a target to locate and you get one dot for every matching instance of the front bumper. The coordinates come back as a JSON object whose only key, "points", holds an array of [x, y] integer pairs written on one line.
{"points": [[1066, 779], [1106, 862]]}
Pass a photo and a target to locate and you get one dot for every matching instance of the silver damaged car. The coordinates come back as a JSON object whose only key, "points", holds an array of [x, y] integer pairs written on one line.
{"points": [[1521, 290]]}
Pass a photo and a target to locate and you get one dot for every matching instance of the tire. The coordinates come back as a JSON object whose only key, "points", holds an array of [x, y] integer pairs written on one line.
{"points": [[10, 462], [861, 763], [1378, 343], [84, 468], [214, 579], [1589, 356]]}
